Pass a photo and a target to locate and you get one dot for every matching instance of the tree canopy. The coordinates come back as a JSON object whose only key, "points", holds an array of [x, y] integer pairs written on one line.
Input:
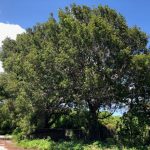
{"points": [[87, 59]]}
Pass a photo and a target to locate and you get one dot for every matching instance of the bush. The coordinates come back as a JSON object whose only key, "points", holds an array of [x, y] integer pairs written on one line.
{"points": [[132, 132], [41, 144]]}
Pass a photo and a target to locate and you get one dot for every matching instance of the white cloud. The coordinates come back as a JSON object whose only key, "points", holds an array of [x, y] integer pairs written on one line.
{"points": [[11, 31]]}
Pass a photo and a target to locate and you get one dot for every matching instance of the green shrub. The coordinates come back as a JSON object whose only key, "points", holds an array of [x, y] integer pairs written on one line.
{"points": [[41, 144], [132, 131]]}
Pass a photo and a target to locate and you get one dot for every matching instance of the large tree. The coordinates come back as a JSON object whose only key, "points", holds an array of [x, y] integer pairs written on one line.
{"points": [[96, 49], [79, 61]]}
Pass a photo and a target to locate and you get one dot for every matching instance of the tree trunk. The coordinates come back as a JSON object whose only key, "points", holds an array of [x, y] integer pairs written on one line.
{"points": [[94, 127], [46, 120], [93, 124]]}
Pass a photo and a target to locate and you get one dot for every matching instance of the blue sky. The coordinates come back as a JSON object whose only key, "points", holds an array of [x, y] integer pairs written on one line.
{"points": [[27, 13]]}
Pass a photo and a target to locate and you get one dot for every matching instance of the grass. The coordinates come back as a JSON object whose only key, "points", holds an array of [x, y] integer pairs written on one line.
{"points": [[47, 144], [42, 144]]}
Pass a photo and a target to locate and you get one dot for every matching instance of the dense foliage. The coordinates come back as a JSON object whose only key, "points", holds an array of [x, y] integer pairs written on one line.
{"points": [[73, 69]]}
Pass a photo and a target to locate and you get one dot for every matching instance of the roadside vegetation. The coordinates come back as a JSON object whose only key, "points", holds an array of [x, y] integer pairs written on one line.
{"points": [[75, 145]]}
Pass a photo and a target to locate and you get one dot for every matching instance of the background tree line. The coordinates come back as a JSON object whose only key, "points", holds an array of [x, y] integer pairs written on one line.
{"points": [[87, 61]]}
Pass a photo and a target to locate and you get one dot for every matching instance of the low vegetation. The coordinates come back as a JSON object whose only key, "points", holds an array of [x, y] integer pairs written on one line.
{"points": [[74, 145]]}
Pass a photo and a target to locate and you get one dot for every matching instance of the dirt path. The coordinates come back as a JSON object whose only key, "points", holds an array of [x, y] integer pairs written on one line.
{"points": [[8, 145]]}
